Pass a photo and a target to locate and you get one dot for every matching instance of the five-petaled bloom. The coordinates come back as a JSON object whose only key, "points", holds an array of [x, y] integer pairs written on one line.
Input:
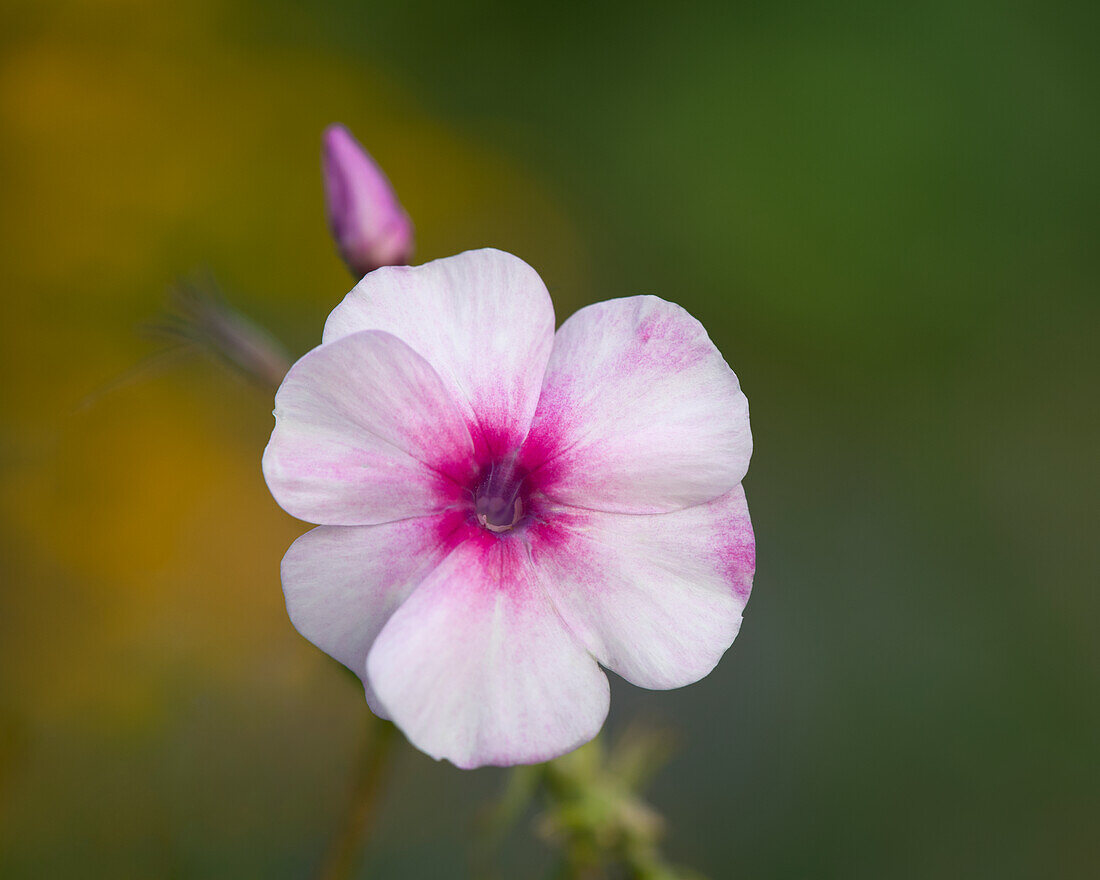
{"points": [[504, 507]]}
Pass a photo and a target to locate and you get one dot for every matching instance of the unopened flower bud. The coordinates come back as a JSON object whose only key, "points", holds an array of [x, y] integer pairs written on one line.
{"points": [[199, 317], [370, 227]]}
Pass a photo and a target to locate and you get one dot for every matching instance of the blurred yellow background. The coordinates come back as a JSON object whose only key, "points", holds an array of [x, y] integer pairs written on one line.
{"points": [[887, 219]]}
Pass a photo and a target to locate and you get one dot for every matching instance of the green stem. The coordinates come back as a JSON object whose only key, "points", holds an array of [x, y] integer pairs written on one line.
{"points": [[346, 847]]}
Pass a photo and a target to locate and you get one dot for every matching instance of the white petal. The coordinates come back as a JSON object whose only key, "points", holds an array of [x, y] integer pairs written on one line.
{"points": [[476, 666], [657, 599], [365, 432], [342, 583], [639, 412], [483, 319]]}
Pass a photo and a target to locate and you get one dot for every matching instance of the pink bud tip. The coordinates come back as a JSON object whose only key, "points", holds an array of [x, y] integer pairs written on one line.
{"points": [[370, 227]]}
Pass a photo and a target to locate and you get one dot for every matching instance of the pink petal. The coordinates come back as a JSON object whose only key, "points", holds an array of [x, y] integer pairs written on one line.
{"points": [[483, 319], [657, 599], [342, 583], [365, 432], [476, 666], [639, 412]]}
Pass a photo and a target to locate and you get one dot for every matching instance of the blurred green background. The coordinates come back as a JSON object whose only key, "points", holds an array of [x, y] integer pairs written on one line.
{"points": [[885, 214]]}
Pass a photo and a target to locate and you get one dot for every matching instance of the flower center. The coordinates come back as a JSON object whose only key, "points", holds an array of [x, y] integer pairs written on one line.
{"points": [[498, 499]]}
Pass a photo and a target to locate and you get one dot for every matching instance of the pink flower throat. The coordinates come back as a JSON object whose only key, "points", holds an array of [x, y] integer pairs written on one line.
{"points": [[499, 497]]}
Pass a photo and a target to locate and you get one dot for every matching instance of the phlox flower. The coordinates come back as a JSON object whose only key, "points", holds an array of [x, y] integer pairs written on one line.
{"points": [[504, 508]]}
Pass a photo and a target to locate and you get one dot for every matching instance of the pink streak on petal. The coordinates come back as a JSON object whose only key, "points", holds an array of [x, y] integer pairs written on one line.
{"points": [[342, 583], [365, 432], [639, 412], [658, 599], [476, 666], [483, 319], [735, 544]]}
